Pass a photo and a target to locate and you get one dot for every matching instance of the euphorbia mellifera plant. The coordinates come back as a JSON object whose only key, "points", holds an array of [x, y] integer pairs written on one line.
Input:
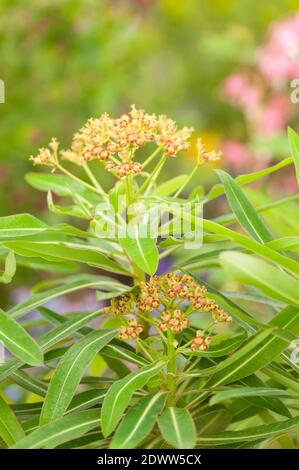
{"points": [[182, 363]]}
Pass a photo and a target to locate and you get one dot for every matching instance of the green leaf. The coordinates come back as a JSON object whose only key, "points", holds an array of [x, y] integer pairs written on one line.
{"points": [[243, 209], [50, 338], [269, 403], [170, 186], [289, 264], [120, 393], [250, 434], [177, 428], [86, 399], [74, 211], [61, 430], [141, 249], [69, 372], [241, 392], [294, 148], [258, 352], [71, 284], [58, 251], [218, 189], [138, 422], [10, 268], [61, 185], [264, 276], [18, 341], [10, 429], [20, 225]]}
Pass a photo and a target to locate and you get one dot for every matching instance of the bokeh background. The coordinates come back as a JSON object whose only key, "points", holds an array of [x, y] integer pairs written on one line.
{"points": [[223, 67]]}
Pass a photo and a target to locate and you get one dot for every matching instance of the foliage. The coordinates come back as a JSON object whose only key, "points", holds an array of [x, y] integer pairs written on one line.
{"points": [[183, 364]]}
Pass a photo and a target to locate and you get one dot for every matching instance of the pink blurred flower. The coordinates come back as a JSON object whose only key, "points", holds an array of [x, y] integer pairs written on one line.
{"points": [[274, 115], [236, 153], [278, 59], [238, 89]]}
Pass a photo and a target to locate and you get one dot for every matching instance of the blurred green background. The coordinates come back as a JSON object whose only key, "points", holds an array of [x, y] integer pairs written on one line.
{"points": [[63, 61]]}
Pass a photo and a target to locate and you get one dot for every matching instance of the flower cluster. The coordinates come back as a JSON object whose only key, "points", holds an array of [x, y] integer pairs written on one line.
{"points": [[132, 331], [173, 296], [200, 342], [203, 156], [114, 141], [108, 139], [207, 305], [46, 156], [173, 321]]}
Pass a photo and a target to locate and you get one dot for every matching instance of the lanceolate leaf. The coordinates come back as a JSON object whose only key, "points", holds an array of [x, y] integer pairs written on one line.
{"points": [[139, 422], [218, 189], [241, 392], [267, 278], [258, 352], [18, 341], [120, 393], [250, 434], [20, 225], [61, 185], [61, 430], [141, 248], [69, 285], [288, 263], [171, 186], [177, 428], [69, 372], [10, 429], [294, 147], [54, 252], [243, 209], [50, 338]]}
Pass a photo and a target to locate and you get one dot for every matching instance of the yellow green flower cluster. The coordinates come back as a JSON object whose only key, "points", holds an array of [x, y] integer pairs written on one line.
{"points": [[171, 297], [115, 141]]}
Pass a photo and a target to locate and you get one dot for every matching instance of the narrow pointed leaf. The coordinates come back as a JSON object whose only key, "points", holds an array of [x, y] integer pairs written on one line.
{"points": [[61, 430], [264, 276], [241, 392], [177, 428], [294, 147], [10, 429], [69, 285], [70, 371], [141, 249], [54, 252], [244, 211], [120, 394], [138, 422], [18, 341], [251, 434], [19, 225], [258, 352]]}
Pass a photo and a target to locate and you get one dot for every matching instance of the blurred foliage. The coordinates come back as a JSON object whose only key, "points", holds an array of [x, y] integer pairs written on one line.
{"points": [[66, 60]]}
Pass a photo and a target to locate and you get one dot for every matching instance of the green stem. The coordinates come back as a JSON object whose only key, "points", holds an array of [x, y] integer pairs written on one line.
{"points": [[93, 179], [75, 178], [171, 368], [153, 176], [187, 180], [151, 157]]}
